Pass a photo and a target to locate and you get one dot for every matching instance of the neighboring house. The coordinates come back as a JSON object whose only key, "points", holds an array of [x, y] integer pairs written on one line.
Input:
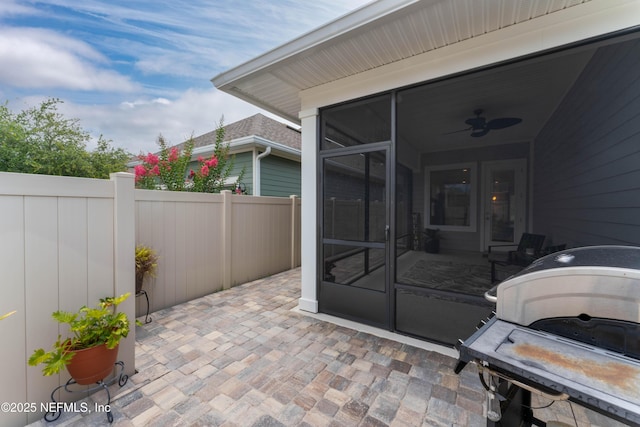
{"points": [[483, 118], [266, 150]]}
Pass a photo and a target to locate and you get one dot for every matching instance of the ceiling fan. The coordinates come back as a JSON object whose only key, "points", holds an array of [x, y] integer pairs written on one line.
{"points": [[479, 126]]}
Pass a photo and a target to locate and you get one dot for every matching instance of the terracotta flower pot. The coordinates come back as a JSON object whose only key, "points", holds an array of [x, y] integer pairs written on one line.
{"points": [[93, 364]]}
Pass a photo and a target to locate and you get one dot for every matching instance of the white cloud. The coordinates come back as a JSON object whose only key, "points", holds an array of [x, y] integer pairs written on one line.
{"points": [[10, 8], [137, 103], [135, 125], [191, 38], [165, 46], [46, 59]]}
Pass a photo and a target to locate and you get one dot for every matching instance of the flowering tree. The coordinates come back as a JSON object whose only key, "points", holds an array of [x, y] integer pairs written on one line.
{"points": [[168, 169]]}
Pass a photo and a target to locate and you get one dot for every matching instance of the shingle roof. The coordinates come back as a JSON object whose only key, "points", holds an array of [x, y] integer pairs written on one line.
{"points": [[256, 125]]}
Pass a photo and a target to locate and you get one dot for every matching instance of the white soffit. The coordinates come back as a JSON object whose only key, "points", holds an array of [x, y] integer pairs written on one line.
{"points": [[375, 35]]}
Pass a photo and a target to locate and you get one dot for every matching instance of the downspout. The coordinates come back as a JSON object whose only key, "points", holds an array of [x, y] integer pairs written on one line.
{"points": [[256, 180]]}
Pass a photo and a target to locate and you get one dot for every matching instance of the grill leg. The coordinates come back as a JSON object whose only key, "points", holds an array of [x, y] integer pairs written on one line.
{"points": [[516, 408]]}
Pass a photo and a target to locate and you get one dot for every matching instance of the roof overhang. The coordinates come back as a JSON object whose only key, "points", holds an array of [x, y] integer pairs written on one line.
{"points": [[387, 32], [246, 80]]}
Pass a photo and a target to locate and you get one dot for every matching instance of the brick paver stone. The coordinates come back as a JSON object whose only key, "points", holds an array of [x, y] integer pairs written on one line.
{"points": [[242, 357]]}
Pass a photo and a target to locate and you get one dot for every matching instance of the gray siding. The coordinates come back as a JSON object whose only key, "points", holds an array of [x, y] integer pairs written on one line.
{"points": [[241, 160], [279, 177], [587, 158], [244, 160]]}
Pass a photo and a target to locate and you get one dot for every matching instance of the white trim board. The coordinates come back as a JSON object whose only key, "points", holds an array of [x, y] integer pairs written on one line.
{"points": [[382, 333]]}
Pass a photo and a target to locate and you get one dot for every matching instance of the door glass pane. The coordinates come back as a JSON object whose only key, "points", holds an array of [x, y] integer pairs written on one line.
{"points": [[354, 189], [357, 123], [355, 266], [502, 206]]}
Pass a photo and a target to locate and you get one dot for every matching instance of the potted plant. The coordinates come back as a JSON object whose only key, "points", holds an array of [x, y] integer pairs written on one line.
{"points": [[146, 263], [90, 353], [431, 240]]}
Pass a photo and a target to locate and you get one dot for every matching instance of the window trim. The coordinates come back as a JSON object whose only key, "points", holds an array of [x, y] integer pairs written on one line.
{"points": [[473, 208]]}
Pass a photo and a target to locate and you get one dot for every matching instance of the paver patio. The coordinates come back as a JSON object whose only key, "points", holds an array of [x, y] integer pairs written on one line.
{"points": [[242, 357]]}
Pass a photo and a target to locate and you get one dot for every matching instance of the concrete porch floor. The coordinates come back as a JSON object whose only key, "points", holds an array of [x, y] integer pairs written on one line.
{"points": [[246, 357]]}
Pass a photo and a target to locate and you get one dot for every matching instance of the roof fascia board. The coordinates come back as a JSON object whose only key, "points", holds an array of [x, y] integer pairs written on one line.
{"points": [[344, 24], [248, 143], [570, 25]]}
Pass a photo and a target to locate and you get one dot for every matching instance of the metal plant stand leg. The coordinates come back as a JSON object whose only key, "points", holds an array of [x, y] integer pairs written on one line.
{"points": [[147, 319], [122, 380]]}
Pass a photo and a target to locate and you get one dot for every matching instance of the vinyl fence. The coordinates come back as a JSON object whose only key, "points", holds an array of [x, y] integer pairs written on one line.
{"points": [[67, 242], [64, 243], [210, 242]]}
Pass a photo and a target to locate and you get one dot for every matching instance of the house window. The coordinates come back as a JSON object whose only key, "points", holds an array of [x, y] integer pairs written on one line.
{"points": [[450, 197]]}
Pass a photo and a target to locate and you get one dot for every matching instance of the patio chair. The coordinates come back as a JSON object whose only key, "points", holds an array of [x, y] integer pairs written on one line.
{"points": [[528, 250]]}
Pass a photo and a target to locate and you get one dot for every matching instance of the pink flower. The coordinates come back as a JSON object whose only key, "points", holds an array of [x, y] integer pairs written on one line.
{"points": [[155, 170], [204, 170], [173, 154], [213, 162], [200, 159], [140, 171], [192, 174], [152, 159]]}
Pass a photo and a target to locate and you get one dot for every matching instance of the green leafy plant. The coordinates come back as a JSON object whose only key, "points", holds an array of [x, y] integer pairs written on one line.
{"points": [[41, 140], [146, 264], [89, 327]]}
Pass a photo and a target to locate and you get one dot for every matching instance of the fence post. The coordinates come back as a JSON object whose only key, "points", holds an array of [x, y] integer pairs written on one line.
{"points": [[226, 239], [124, 258], [294, 227]]}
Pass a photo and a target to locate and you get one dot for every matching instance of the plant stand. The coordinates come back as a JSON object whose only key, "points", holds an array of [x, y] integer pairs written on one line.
{"points": [[120, 377], [147, 319]]}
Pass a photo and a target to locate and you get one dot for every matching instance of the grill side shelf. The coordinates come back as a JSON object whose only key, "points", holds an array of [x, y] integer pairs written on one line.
{"points": [[467, 355]]}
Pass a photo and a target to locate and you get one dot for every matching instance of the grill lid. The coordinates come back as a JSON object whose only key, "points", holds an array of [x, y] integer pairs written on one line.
{"points": [[589, 282], [594, 256]]}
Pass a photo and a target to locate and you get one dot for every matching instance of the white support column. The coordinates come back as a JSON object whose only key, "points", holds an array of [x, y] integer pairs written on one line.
{"points": [[124, 259], [309, 225]]}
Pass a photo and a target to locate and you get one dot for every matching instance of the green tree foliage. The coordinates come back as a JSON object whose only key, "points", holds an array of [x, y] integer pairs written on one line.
{"points": [[106, 159], [41, 140]]}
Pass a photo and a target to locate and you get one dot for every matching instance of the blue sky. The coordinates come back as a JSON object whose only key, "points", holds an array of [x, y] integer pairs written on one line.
{"points": [[133, 69]]}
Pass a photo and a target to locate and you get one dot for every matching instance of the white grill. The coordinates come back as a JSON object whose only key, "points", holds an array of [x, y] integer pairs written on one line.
{"points": [[568, 327]]}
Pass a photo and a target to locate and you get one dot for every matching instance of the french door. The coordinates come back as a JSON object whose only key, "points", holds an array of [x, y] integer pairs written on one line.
{"points": [[354, 258], [504, 204]]}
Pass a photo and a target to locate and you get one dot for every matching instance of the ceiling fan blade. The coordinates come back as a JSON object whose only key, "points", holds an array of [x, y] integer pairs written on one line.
{"points": [[480, 132], [476, 122], [479, 126], [503, 122]]}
